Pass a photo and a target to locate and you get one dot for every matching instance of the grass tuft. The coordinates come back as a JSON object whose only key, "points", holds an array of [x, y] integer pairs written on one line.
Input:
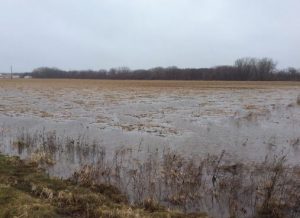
{"points": [[26, 191]]}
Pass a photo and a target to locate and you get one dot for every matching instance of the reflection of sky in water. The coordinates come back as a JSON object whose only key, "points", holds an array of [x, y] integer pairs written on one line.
{"points": [[77, 127], [248, 124]]}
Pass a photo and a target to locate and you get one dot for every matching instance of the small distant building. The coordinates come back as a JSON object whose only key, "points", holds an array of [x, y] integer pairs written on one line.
{"points": [[3, 76], [15, 76], [27, 77]]}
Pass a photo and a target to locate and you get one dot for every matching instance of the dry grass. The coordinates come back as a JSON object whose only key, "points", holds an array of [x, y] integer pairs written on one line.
{"points": [[146, 84], [211, 184], [27, 192]]}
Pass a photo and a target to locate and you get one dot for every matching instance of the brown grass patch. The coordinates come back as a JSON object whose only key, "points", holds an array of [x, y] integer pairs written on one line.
{"points": [[145, 84]]}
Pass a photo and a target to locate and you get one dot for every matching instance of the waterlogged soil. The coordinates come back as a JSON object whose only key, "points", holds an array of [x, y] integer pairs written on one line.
{"points": [[26, 191], [248, 120]]}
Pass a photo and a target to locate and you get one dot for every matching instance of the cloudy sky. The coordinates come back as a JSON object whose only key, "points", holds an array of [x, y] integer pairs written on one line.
{"points": [[94, 34]]}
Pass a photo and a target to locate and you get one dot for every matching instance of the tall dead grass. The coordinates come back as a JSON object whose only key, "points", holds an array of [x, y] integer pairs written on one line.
{"points": [[211, 184]]}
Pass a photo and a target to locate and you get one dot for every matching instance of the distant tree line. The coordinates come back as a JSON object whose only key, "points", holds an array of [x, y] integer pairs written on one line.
{"points": [[244, 69]]}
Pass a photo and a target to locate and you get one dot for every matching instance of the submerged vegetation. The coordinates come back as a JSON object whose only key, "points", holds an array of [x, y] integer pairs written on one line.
{"points": [[152, 181]]}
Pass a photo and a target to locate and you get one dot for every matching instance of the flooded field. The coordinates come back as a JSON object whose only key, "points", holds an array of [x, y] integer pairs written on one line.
{"points": [[182, 144], [248, 120]]}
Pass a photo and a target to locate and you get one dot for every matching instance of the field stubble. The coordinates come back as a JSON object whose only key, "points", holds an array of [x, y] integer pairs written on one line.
{"points": [[208, 146]]}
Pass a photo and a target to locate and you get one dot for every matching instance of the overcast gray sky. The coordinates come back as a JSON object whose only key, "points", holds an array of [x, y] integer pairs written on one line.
{"points": [[94, 34]]}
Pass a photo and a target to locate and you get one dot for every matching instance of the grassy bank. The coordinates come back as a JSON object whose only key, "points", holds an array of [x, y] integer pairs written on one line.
{"points": [[26, 191]]}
